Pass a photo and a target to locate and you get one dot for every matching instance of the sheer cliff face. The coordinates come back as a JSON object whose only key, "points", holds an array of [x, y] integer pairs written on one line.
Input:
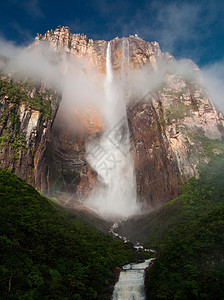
{"points": [[173, 128], [94, 52], [27, 109]]}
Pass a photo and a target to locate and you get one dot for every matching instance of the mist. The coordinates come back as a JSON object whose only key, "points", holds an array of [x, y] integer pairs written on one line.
{"points": [[213, 75], [40, 63], [70, 77]]}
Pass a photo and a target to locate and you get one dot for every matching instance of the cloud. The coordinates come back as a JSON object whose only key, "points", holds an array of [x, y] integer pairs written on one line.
{"points": [[175, 23], [80, 87], [33, 8], [9, 48], [181, 28], [44, 65], [39, 63], [213, 75]]}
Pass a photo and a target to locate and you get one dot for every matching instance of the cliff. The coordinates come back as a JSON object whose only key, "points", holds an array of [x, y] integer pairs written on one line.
{"points": [[27, 110], [94, 52], [174, 130], [174, 127]]}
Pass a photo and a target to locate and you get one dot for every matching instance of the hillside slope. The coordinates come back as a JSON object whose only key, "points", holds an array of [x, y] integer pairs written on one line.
{"points": [[191, 264], [199, 197], [189, 232], [48, 253]]}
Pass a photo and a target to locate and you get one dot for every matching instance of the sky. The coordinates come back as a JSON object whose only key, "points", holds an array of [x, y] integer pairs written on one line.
{"points": [[186, 29]]}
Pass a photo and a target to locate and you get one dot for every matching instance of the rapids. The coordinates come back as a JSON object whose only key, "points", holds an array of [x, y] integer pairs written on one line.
{"points": [[130, 285]]}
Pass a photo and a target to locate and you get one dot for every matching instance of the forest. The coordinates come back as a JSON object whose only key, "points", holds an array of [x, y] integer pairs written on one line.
{"points": [[190, 264], [50, 253]]}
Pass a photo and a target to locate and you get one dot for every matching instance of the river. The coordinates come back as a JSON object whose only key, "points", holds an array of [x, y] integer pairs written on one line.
{"points": [[130, 285]]}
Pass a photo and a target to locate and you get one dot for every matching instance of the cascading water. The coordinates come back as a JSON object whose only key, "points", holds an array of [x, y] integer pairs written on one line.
{"points": [[130, 285], [125, 66], [115, 196]]}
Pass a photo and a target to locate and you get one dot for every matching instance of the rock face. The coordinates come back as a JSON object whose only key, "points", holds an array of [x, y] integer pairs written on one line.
{"points": [[25, 129], [94, 52], [173, 131], [173, 128]]}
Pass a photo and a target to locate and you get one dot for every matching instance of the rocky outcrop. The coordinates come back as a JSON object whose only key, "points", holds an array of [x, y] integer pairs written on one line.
{"points": [[25, 129], [70, 176], [157, 174], [32, 148], [93, 53], [173, 128]]}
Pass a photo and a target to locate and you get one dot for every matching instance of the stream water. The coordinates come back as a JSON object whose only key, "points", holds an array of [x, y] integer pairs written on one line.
{"points": [[130, 285]]}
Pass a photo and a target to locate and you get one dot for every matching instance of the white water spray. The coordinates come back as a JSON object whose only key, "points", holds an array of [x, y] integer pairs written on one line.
{"points": [[130, 285], [115, 196]]}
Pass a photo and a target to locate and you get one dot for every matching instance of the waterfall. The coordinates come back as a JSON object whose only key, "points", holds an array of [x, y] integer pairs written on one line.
{"points": [[109, 68], [125, 56], [125, 68], [130, 285], [115, 195]]}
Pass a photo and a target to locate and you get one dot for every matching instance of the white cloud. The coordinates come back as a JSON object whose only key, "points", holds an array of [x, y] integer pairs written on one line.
{"points": [[180, 27], [214, 81], [9, 48]]}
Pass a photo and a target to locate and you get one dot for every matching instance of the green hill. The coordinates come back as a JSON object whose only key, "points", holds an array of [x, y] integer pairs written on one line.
{"points": [[49, 253], [190, 264], [198, 198]]}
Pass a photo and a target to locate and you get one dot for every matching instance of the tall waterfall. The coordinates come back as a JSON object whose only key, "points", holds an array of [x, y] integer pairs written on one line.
{"points": [[130, 285], [115, 196], [125, 56], [125, 68]]}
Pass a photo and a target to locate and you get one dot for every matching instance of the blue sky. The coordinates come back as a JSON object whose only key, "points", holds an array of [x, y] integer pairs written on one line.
{"points": [[187, 29]]}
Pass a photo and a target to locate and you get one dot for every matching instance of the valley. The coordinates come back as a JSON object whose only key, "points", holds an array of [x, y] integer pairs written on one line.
{"points": [[106, 146]]}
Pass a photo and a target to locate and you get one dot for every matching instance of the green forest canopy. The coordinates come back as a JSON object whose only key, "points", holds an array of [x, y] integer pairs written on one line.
{"points": [[50, 253], [191, 262]]}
